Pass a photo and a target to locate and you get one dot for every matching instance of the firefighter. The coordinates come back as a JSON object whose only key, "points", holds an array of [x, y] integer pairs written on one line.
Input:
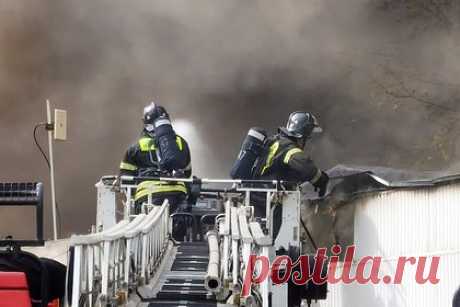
{"points": [[155, 155], [286, 159]]}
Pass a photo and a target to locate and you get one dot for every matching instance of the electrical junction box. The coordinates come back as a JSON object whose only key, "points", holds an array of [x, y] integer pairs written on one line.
{"points": [[60, 125]]}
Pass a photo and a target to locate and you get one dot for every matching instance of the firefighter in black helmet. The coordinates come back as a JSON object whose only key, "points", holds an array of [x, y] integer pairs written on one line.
{"points": [[144, 159], [286, 159]]}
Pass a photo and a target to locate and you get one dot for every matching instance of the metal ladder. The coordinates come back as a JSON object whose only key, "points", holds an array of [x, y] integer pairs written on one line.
{"points": [[182, 285]]}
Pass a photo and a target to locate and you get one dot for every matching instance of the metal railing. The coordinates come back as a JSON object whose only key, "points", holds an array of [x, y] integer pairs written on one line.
{"points": [[241, 235], [24, 194], [107, 264]]}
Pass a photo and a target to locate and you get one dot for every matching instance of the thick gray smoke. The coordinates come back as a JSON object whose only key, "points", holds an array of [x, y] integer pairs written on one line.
{"points": [[380, 76]]}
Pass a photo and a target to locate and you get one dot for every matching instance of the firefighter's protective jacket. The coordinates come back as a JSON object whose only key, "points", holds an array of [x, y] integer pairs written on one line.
{"points": [[286, 161], [141, 158]]}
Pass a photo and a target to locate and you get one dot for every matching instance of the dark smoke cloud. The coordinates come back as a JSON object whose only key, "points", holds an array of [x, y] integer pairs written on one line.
{"points": [[220, 68]]}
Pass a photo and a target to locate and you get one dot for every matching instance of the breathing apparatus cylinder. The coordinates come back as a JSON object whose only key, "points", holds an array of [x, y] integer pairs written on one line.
{"points": [[252, 149], [169, 153]]}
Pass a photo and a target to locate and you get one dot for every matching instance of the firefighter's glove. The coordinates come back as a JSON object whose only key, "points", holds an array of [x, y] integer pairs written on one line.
{"points": [[321, 184]]}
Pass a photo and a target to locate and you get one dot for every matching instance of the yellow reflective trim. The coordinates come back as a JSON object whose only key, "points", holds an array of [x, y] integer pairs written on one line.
{"points": [[152, 187], [150, 184], [271, 154], [290, 153], [146, 144], [128, 166], [179, 143]]}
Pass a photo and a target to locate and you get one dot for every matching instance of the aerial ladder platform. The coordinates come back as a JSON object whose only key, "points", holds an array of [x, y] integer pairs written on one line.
{"points": [[196, 256], [139, 259]]}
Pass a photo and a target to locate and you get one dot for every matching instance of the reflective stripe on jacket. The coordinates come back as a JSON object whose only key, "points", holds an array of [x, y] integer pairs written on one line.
{"points": [[157, 187], [286, 161], [143, 155]]}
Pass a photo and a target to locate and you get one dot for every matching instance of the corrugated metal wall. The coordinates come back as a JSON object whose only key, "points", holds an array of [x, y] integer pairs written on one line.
{"points": [[416, 222]]}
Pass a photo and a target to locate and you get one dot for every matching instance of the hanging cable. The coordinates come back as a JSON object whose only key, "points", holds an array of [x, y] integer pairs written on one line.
{"points": [[38, 144], [309, 234]]}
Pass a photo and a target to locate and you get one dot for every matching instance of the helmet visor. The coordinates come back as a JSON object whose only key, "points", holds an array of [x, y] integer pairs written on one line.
{"points": [[316, 127]]}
